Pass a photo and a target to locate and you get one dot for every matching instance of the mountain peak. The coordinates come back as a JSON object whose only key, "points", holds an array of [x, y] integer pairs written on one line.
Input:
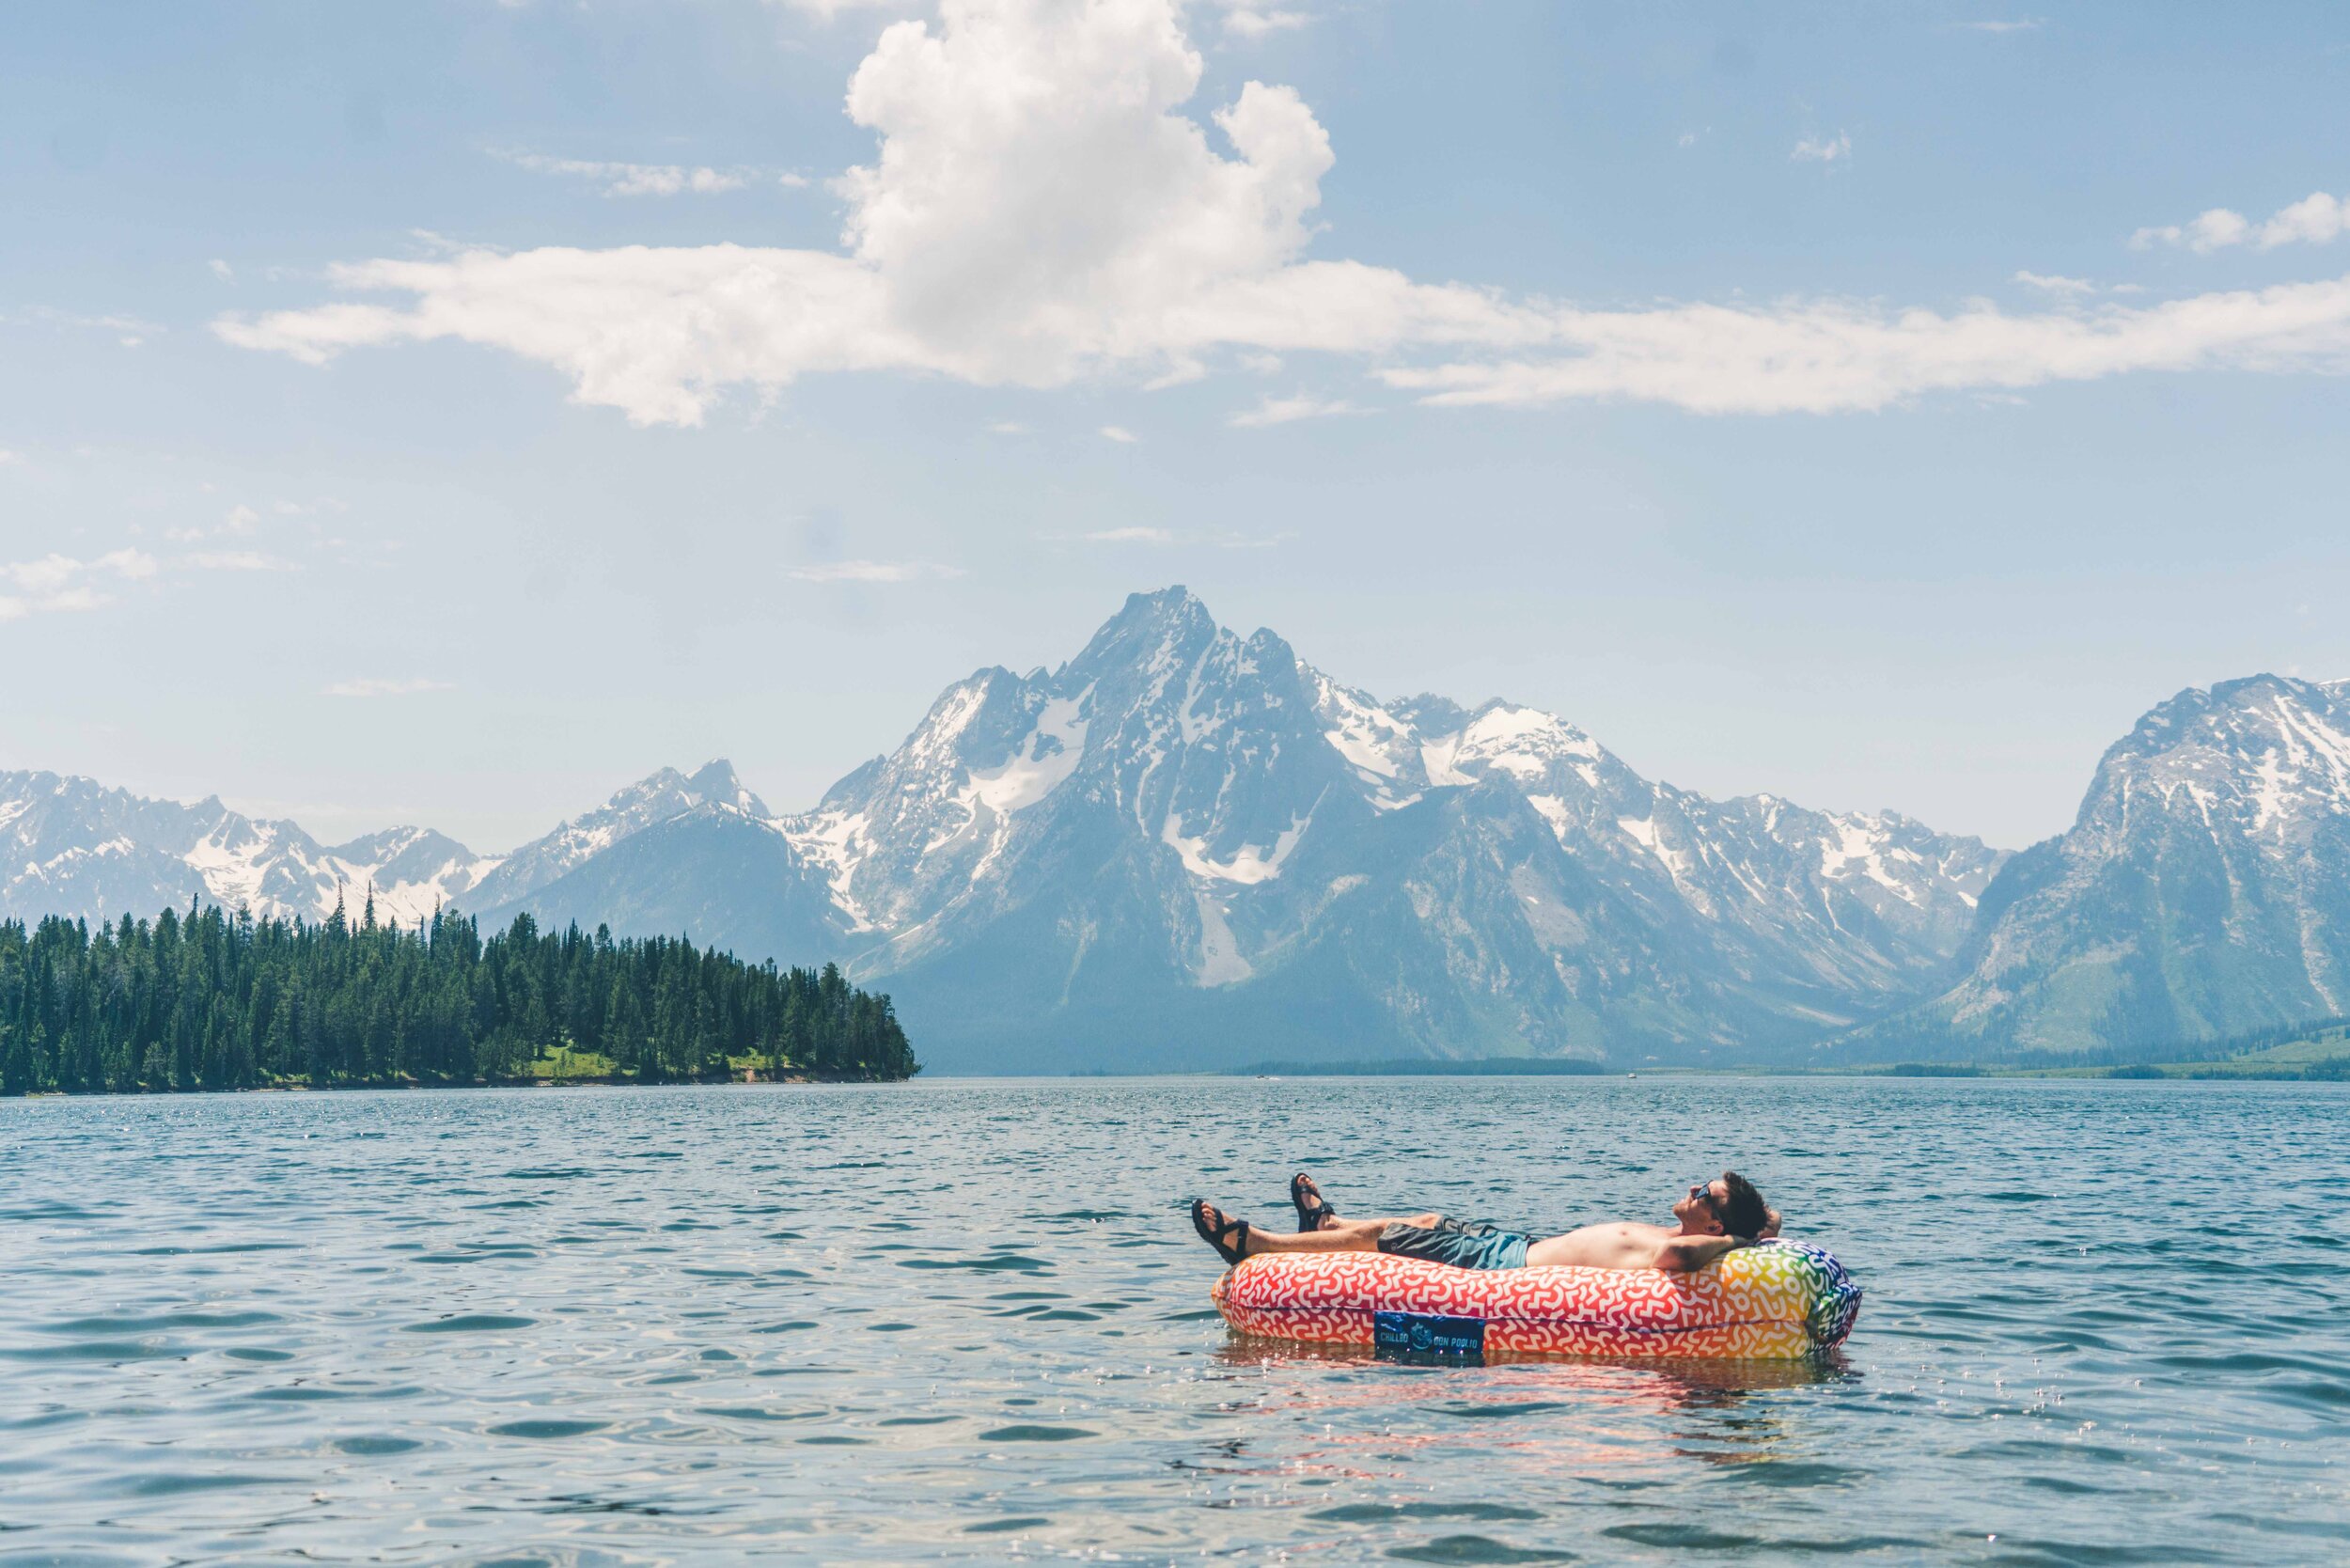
{"points": [[1173, 608], [715, 780], [1149, 626], [2232, 715], [1173, 599]]}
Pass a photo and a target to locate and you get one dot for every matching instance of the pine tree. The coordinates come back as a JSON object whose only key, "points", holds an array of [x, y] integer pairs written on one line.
{"points": [[202, 1001]]}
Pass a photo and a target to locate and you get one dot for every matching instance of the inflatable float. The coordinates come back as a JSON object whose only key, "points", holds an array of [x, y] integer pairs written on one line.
{"points": [[1778, 1300]]}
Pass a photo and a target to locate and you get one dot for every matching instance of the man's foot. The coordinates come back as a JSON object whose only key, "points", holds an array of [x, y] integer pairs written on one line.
{"points": [[1313, 1211], [1228, 1236]]}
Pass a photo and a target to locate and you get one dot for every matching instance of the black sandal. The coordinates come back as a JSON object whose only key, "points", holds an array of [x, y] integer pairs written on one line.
{"points": [[1231, 1251], [1312, 1208]]}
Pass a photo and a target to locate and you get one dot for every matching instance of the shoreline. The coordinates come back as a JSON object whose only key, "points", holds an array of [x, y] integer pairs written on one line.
{"points": [[587, 1080]]}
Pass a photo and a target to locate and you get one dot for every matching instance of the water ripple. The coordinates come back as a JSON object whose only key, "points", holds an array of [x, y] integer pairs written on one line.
{"points": [[967, 1322]]}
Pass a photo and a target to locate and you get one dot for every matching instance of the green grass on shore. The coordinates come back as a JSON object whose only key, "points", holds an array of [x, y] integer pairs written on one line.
{"points": [[563, 1062]]}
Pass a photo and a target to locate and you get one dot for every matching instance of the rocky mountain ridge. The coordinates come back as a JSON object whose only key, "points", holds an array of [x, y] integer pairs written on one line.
{"points": [[1188, 848], [2203, 891]]}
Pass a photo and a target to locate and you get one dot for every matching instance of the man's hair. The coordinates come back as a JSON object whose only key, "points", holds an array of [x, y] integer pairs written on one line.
{"points": [[1744, 1214]]}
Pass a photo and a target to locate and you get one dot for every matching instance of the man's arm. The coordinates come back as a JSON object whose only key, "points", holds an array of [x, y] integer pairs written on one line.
{"points": [[1686, 1254]]}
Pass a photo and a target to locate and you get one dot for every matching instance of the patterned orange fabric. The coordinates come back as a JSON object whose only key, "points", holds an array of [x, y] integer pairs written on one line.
{"points": [[1773, 1301]]}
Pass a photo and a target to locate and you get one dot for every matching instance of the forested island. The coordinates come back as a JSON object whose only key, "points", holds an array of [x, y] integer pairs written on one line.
{"points": [[203, 999]]}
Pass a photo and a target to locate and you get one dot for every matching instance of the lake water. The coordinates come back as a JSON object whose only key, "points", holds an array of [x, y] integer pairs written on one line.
{"points": [[967, 1321]]}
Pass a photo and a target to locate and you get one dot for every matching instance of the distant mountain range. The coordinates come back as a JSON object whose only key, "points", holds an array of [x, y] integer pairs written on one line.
{"points": [[1184, 849], [2202, 892]]}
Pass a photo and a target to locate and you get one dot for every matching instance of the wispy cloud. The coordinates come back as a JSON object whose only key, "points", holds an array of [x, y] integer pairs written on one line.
{"points": [[385, 686], [1009, 427], [2048, 283], [1120, 434], [1255, 22], [2021, 24], [1813, 150], [239, 520], [649, 180], [2318, 218], [1281, 411], [870, 571], [60, 584], [130, 331]]}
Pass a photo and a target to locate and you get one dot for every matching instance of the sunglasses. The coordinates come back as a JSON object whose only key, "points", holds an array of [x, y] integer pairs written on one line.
{"points": [[1704, 1191]]}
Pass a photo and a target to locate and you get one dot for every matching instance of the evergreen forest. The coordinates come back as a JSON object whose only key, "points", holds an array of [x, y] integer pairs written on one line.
{"points": [[202, 1000]]}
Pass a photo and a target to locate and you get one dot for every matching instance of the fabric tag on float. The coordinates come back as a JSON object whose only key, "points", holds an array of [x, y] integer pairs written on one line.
{"points": [[1424, 1336]]}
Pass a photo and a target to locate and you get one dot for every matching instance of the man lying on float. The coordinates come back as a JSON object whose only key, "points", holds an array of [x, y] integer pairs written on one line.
{"points": [[1716, 1217]]}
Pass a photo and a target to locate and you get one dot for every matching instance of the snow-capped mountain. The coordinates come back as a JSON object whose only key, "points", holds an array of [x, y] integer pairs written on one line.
{"points": [[699, 856], [642, 804], [71, 846], [2203, 891], [1185, 847]]}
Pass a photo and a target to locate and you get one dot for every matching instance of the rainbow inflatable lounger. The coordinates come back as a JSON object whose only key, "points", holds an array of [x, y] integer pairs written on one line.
{"points": [[1776, 1301]]}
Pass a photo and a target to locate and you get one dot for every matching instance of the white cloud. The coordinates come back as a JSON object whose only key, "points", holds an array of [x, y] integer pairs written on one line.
{"points": [[2025, 24], [1816, 150], [633, 179], [1009, 427], [60, 583], [222, 271], [1281, 411], [1255, 22], [377, 685], [2048, 283], [1130, 535], [870, 571], [2318, 218], [9, 459], [1041, 210], [1826, 356], [2209, 231], [1121, 434]]}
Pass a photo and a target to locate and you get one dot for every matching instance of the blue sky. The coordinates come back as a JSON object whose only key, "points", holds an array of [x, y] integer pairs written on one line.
{"points": [[446, 413]]}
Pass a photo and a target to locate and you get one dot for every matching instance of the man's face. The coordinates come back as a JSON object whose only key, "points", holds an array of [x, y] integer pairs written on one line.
{"points": [[1700, 1209]]}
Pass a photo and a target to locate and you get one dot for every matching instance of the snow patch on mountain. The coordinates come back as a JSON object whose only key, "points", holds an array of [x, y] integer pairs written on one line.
{"points": [[1248, 866], [1046, 756]]}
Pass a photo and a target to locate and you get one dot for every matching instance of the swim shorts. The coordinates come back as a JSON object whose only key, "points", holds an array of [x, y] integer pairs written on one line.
{"points": [[1462, 1245]]}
